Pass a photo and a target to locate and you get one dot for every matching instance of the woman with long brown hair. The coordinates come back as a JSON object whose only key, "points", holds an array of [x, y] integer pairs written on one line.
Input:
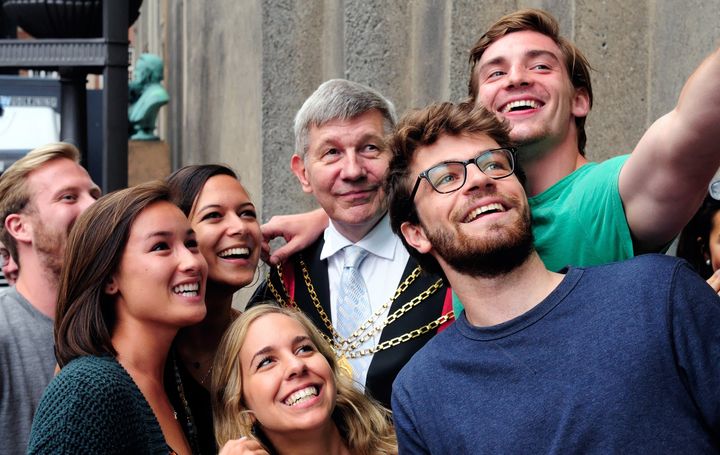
{"points": [[133, 275]]}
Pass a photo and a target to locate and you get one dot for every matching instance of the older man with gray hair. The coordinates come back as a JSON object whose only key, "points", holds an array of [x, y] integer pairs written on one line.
{"points": [[357, 282]]}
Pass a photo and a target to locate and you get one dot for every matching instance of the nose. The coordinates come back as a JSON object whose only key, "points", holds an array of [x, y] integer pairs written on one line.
{"points": [[237, 226], [191, 262], [353, 166], [476, 179], [295, 367], [517, 76], [85, 200]]}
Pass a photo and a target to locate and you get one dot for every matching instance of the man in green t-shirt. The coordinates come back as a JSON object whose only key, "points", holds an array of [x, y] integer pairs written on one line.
{"points": [[588, 213]]}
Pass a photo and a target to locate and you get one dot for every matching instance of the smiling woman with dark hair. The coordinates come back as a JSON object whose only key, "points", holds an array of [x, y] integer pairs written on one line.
{"points": [[228, 235], [133, 276]]}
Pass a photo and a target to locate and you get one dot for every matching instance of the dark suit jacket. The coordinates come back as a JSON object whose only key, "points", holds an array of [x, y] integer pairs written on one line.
{"points": [[387, 363]]}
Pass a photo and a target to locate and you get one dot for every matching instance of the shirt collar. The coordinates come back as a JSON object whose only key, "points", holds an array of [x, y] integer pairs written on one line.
{"points": [[380, 241]]}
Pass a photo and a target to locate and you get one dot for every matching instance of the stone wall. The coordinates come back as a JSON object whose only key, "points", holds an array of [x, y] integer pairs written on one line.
{"points": [[238, 70]]}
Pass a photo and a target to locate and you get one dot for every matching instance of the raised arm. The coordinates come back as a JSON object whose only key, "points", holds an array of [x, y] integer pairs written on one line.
{"points": [[666, 178], [299, 231]]}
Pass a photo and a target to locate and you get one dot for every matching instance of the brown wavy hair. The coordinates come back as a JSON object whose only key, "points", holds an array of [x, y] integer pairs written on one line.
{"points": [[423, 127], [85, 313], [363, 423]]}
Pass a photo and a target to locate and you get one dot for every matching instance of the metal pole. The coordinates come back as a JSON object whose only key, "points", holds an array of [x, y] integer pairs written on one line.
{"points": [[73, 109]]}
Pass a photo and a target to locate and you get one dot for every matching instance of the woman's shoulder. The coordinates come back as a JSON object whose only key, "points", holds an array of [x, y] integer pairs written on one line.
{"points": [[89, 380], [92, 365], [92, 402]]}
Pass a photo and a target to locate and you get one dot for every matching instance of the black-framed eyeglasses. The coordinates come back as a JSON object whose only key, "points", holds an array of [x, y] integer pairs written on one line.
{"points": [[450, 176], [4, 257]]}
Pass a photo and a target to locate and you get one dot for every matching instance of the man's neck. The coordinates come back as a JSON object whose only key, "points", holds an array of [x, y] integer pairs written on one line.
{"points": [[545, 168], [492, 301], [356, 232], [39, 287]]}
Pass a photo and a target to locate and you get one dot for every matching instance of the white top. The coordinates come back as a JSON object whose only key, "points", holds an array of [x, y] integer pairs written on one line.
{"points": [[382, 269]]}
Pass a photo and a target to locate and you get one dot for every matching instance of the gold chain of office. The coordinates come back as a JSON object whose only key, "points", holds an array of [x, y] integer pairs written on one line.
{"points": [[347, 348]]}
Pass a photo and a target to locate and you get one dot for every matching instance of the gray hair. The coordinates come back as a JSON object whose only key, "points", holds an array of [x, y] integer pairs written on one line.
{"points": [[339, 99]]}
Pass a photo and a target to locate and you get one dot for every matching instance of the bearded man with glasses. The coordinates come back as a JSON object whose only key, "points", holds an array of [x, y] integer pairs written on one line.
{"points": [[614, 358]]}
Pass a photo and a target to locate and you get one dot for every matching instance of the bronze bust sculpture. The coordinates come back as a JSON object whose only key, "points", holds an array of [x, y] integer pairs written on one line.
{"points": [[146, 97]]}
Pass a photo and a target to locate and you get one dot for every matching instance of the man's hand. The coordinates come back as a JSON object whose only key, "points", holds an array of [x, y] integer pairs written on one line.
{"points": [[299, 231]]}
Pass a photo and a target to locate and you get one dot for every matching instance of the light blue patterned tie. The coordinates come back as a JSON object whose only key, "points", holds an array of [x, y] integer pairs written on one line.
{"points": [[353, 305]]}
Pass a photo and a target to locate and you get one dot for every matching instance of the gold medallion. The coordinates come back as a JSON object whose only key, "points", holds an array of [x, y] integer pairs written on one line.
{"points": [[344, 366]]}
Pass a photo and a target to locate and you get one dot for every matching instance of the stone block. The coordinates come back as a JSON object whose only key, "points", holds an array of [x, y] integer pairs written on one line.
{"points": [[613, 36], [680, 40]]}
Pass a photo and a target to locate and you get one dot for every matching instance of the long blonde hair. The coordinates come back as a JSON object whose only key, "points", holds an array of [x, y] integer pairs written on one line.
{"points": [[363, 423]]}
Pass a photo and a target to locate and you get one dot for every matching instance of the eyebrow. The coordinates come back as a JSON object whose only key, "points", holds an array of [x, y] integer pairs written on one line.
{"points": [[271, 348], [476, 154], [330, 141], [215, 206], [159, 234], [532, 53], [94, 190]]}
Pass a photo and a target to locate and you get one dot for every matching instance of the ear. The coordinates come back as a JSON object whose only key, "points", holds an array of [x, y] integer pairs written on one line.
{"points": [[415, 237], [297, 164], [581, 103], [111, 287], [20, 227]]}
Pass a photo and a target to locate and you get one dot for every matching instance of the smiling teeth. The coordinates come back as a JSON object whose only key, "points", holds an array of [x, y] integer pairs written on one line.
{"points": [[188, 290], [520, 103], [234, 252], [495, 207], [301, 395]]}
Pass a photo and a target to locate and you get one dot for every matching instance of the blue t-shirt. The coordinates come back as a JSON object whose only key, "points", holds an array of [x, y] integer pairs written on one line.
{"points": [[620, 358]]}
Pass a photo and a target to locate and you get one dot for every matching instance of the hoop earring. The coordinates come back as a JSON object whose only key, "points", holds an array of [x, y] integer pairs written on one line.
{"points": [[247, 422], [256, 277]]}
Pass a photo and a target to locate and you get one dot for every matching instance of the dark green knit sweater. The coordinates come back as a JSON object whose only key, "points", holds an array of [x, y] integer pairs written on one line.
{"points": [[94, 407]]}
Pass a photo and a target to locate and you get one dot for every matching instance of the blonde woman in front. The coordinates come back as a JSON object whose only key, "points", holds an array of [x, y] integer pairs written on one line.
{"points": [[276, 389]]}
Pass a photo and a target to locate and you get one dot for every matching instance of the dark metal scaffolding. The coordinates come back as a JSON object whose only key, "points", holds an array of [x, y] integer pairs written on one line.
{"points": [[74, 59]]}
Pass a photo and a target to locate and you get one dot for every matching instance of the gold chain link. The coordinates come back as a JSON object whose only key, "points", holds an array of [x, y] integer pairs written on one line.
{"points": [[353, 344], [348, 347], [404, 337], [292, 304]]}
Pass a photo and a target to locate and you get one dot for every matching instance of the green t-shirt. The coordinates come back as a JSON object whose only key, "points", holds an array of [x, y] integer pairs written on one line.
{"points": [[580, 220]]}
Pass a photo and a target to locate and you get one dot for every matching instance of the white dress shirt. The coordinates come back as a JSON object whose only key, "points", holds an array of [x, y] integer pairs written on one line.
{"points": [[382, 269]]}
